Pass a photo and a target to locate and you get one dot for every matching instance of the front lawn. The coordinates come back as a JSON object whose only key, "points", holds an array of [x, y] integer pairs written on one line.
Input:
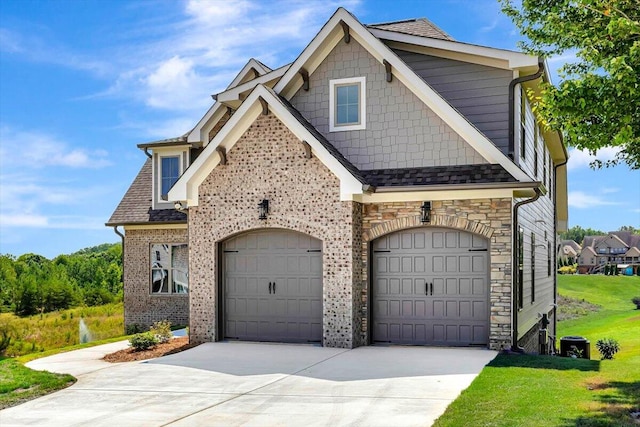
{"points": [[19, 383], [516, 390]]}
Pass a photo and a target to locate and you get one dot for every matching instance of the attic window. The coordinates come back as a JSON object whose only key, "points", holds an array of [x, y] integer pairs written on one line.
{"points": [[170, 172], [347, 104]]}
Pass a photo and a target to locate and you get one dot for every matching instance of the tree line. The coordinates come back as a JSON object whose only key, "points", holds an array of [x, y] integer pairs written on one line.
{"points": [[31, 283], [577, 233]]}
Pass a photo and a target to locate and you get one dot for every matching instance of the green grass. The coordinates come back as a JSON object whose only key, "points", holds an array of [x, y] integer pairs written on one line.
{"points": [[48, 331], [19, 383], [516, 390]]}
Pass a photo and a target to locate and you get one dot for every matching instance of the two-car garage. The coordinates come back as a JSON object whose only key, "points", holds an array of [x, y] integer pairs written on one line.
{"points": [[429, 286]]}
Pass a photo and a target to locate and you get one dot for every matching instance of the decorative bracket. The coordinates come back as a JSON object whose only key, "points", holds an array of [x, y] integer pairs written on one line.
{"points": [[230, 111], [307, 149], [223, 155], [265, 106], [387, 68], [345, 29], [305, 78], [256, 73]]}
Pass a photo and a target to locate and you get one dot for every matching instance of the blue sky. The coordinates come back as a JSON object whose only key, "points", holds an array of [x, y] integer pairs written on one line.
{"points": [[83, 82]]}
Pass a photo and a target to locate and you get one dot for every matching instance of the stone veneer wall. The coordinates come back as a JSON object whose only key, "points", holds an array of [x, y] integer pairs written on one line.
{"points": [[268, 162], [490, 218], [141, 307]]}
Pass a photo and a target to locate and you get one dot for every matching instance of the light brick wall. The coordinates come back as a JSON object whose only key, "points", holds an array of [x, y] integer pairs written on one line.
{"points": [[141, 307], [268, 162], [490, 218], [401, 131]]}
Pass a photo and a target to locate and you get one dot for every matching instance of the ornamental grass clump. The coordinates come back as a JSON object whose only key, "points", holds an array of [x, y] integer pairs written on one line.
{"points": [[607, 348], [162, 331]]}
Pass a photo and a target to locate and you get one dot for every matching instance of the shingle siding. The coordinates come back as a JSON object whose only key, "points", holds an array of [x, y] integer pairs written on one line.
{"points": [[479, 92], [401, 131]]}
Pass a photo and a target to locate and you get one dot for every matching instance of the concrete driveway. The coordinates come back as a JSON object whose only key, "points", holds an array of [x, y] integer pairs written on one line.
{"points": [[254, 384]]}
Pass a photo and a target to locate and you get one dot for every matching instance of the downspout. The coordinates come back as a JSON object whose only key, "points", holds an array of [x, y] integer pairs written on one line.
{"points": [[555, 242], [115, 230], [146, 151], [515, 249], [514, 261], [512, 96]]}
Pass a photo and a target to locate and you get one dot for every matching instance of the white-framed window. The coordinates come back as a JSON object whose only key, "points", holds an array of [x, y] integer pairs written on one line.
{"points": [[169, 268], [169, 173], [347, 104]]}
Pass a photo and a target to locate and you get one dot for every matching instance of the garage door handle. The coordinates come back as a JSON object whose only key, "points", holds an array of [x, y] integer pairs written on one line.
{"points": [[269, 287], [431, 287], [426, 288], [274, 287]]}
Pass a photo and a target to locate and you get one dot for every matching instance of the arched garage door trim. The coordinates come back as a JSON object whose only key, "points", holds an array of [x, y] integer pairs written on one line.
{"points": [[271, 286], [430, 286], [448, 221]]}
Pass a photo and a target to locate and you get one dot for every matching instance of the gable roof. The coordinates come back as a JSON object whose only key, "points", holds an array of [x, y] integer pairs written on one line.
{"points": [[135, 206], [186, 188], [332, 32], [418, 27]]}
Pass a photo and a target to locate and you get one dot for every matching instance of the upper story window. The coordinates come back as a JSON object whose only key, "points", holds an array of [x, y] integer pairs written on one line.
{"points": [[169, 172], [347, 104]]}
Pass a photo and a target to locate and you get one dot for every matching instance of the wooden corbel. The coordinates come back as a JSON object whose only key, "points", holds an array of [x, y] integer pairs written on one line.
{"points": [[307, 149], [387, 68], [305, 78], [345, 29], [265, 106], [223, 155]]}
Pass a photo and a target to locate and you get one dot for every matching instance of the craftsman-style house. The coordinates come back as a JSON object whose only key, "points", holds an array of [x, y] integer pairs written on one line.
{"points": [[391, 185]]}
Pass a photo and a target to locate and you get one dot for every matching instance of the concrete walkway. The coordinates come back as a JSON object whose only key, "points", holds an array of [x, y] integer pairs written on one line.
{"points": [[252, 384]]}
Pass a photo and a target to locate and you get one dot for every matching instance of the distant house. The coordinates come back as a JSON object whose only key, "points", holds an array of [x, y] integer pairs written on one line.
{"points": [[568, 251], [391, 185], [617, 248]]}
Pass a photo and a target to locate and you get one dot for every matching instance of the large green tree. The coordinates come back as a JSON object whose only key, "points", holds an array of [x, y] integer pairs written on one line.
{"points": [[597, 102]]}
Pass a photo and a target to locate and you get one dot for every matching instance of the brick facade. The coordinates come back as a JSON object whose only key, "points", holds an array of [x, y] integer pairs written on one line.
{"points": [[141, 307], [268, 162]]}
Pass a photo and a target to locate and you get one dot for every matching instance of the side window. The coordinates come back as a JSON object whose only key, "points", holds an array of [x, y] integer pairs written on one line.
{"points": [[347, 104], [520, 267], [535, 150], [523, 120], [169, 269], [169, 173], [549, 256], [533, 268]]}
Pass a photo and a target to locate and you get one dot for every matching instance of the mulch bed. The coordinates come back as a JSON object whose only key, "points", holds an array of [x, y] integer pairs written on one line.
{"points": [[174, 345]]}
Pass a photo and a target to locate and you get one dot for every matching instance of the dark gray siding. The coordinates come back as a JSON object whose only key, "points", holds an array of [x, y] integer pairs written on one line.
{"points": [[479, 92]]}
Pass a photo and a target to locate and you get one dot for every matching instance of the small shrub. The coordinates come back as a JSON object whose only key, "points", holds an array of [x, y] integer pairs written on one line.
{"points": [[134, 328], [569, 269], [143, 341], [636, 301], [607, 348], [162, 331]]}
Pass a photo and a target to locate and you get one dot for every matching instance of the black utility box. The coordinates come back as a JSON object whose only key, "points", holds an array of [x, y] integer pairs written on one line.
{"points": [[581, 344]]}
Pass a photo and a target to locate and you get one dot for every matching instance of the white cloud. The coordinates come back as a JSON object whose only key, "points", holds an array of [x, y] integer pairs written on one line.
{"points": [[581, 200], [34, 149], [582, 158]]}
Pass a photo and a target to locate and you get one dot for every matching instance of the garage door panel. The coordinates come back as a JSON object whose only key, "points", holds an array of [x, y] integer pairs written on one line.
{"points": [[291, 309], [431, 288]]}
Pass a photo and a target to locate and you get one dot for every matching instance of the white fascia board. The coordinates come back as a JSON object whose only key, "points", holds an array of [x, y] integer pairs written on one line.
{"points": [[252, 63], [287, 86], [186, 188], [416, 196], [197, 134], [233, 94], [514, 59]]}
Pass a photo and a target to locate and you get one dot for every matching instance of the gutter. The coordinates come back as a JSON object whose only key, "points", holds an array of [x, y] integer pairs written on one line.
{"points": [[446, 187], [512, 89], [115, 230], [514, 263]]}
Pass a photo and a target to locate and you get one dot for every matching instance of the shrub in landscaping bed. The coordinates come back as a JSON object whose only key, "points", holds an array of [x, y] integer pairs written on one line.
{"points": [[143, 341], [162, 331]]}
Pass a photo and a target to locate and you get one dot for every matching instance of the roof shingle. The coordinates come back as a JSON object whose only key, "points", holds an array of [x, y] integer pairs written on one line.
{"points": [[438, 175], [416, 27]]}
